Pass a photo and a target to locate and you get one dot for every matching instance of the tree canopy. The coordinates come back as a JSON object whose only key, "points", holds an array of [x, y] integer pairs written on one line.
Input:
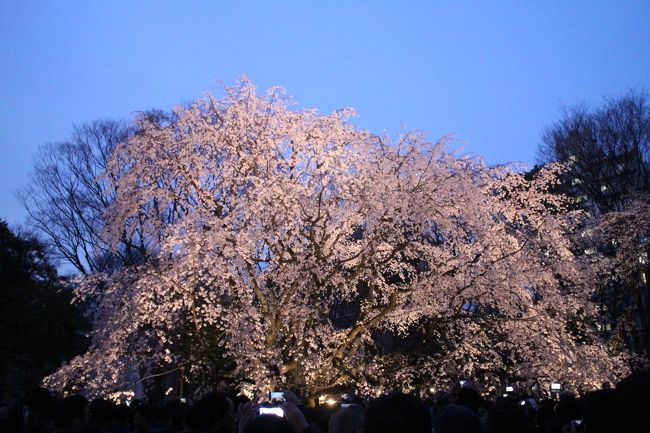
{"points": [[292, 246]]}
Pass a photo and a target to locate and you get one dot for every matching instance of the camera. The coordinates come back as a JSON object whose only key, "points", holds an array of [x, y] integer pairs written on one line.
{"points": [[273, 407]]}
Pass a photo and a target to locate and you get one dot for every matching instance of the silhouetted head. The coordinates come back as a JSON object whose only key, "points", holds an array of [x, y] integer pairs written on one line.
{"points": [[101, 410], [470, 398], [457, 419], [121, 414], [397, 413], [214, 411], [176, 410], [506, 416], [347, 420], [631, 403], [40, 404], [144, 418], [595, 410], [72, 413], [269, 424]]}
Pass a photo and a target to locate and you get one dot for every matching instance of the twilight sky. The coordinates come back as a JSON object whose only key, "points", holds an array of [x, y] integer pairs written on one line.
{"points": [[493, 74]]}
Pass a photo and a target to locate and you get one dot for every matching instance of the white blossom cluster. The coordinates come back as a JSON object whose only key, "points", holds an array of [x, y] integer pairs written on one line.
{"points": [[266, 220]]}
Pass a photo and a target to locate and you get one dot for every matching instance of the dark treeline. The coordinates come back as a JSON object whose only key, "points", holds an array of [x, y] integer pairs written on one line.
{"points": [[39, 328]]}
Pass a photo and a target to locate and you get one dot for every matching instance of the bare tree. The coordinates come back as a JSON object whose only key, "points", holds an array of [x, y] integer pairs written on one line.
{"points": [[608, 149], [67, 196], [608, 152]]}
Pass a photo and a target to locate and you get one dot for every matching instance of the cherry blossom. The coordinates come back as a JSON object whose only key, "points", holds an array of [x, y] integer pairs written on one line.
{"points": [[295, 246]]}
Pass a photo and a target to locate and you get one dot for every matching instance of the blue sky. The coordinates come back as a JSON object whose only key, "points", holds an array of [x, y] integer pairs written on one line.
{"points": [[493, 73]]}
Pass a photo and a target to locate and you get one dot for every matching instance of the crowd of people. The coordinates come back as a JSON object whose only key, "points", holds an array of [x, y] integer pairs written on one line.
{"points": [[624, 409]]}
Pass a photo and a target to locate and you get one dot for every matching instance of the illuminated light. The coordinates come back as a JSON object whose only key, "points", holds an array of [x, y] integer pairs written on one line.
{"points": [[509, 389], [432, 390], [643, 278], [505, 394], [556, 386], [276, 411], [327, 399], [120, 396]]}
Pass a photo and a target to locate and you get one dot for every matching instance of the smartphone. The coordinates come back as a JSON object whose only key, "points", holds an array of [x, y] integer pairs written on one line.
{"points": [[276, 411], [463, 383], [576, 425], [556, 386], [509, 389], [277, 396]]}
